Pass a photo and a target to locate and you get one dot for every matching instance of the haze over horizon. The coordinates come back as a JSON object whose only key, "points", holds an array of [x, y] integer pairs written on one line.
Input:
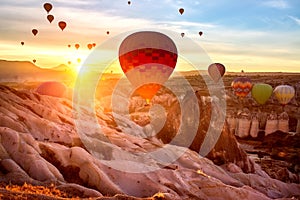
{"points": [[253, 36]]}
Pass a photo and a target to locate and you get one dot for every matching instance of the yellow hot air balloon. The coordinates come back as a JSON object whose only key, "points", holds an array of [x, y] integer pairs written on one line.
{"points": [[284, 93]]}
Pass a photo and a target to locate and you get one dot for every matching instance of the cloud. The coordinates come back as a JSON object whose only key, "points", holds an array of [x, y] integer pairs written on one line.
{"points": [[295, 19], [279, 4]]}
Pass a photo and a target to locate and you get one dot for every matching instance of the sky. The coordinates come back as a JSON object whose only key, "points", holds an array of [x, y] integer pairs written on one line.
{"points": [[249, 35]]}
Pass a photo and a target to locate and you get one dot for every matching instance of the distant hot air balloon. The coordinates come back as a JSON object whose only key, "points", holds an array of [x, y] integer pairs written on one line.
{"points": [[78, 60], [48, 7], [89, 46], [94, 44], [50, 18], [182, 34], [200, 33], [107, 32], [284, 93], [69, 45], [216, 71], [129, 2], [77, 46], [181, 11], [62, 25], [52, 88], [241, 86], [34, 32], [148, 59], [261, 92], [22, 43], [69, 62], [34, 60]]}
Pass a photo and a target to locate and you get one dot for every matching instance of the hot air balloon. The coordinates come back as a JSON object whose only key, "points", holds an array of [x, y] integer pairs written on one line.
{"points": [[94, 44], [69, 62], [69, 45], [261, 92], [241, 86], [48, 7], [78, 60], [107, 32], [62, 25], [34, 32], [182, 34], [129, 2], [50, 18], [52, 88], [34, 60], [148, 59], [216, 71], [22, 43], [89, 46], [284, 93], [181, 11], [77, 46], [200, 33]]}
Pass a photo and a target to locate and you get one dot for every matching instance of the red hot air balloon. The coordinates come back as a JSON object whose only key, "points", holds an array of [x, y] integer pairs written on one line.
{"points": [[89, 46], [52, 88], [241, 86], [50, 18], [22, 43], [77, 46], [94, 44], [216, 71], [48, 7], [148, 59], [181, 11], [62, 25], [34, 32]]}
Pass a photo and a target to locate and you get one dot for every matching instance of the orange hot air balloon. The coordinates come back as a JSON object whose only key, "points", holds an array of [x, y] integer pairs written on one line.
{"points": [[89, 46], [22, 43], [62, 25], [182, 34], [94, 44], [200, 33], [48, 7], [241, 86], [52, 88], [69, 45], [148, 59], [34, 60], [216, 71], [50, 18], [34, 32], [181, 11], [77, 46]]}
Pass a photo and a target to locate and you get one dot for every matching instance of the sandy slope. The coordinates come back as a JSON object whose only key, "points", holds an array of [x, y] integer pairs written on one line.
{"points": [[39, 145]]}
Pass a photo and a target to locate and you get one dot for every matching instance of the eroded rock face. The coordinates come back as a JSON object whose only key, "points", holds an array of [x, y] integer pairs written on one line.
{"points": [[39, 145]]}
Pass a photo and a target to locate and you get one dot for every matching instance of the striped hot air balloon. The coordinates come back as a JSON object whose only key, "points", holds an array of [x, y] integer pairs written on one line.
{"points": [[241, 86], [148, 59], [284, 93]]}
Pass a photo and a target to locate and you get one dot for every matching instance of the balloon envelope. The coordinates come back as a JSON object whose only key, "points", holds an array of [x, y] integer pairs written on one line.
{"points": [[48, 7], [200, 33], [241, 86], [181, 11], [148, 59], [182, 34], [261, 92], [62, 25], [77, 46], [216, 71], [34, 32], [52, 88], [89, 46], [22, 43], [50, 18], [284, 93]]}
